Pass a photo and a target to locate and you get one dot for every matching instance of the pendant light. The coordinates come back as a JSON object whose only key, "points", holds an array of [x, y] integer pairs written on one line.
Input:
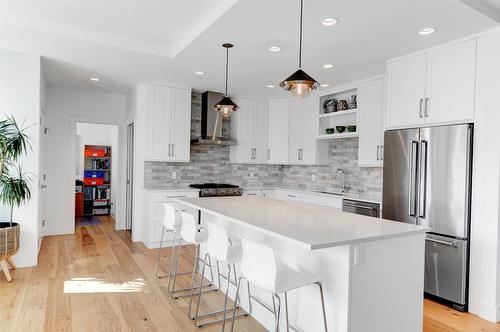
{"points": [[299, 83], [226, 106]]}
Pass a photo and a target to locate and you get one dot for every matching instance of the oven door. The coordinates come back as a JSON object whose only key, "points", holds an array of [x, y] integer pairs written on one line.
{"points": [[363, 208]]}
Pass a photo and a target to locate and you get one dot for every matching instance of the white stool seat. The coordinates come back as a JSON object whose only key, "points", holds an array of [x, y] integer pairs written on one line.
{"points": [[221, 247], [288, 279], [170, 220]]}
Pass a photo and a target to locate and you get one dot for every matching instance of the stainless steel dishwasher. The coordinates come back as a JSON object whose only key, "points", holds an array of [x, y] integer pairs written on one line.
{"points": [[360, 207]]}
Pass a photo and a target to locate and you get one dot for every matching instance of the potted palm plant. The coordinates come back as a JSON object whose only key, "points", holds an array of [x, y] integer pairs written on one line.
{"points": [[14, 186]]}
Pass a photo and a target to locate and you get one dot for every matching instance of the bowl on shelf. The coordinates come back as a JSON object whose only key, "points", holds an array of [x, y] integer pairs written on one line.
{"points": [[351, 129], [340, 129], [329, 131]]}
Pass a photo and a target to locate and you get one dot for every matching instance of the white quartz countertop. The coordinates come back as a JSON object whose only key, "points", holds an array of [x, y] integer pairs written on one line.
{"points": [[172, 188], [306, 225]]}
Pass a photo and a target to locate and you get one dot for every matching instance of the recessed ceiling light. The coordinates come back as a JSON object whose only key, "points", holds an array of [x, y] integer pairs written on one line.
{"points": [[327, 66], [274, 48], [270, 86], [325, 85], [199, 73], [426, 31], [94, 79], [329, 21]]}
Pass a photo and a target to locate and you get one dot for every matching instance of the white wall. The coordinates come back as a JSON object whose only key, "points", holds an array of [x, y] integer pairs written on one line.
{"points": [[66, 107], [20, 96], [99, 134], [484, 289]]}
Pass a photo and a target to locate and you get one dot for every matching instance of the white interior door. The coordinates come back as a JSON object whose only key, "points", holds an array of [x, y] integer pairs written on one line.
{"points": [[406, 91], [451, 83], [130, 177]]}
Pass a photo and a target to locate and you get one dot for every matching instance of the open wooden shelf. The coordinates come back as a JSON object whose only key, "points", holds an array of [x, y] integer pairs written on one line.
{"points": [[338, 113], [337, 136]]}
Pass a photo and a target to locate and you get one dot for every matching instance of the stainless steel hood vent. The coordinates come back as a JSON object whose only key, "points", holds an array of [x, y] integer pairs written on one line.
{"points": [[211, 122]]}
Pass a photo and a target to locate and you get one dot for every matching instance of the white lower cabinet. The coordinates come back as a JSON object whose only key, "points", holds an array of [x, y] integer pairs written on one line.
{"points": [[155, 212], [252, 192], [308, 197]]}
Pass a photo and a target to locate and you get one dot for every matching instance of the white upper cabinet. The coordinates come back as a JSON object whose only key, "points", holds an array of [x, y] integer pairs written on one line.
{"points": [[279, 115], [249, 127], [303, 131], [451, 81], [168, 123], [406, 91], [431, 88], [370, 123]]}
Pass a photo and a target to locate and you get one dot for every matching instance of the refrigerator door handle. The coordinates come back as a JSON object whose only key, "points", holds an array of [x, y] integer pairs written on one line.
{"points": [[412, 197], [446, 243], [423, 179]]}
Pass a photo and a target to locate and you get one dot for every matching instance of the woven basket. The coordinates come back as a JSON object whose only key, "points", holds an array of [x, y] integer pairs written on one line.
{"points": [[9, 239]]}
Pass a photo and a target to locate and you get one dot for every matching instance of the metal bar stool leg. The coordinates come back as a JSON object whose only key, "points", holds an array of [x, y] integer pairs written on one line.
{"points": [[323, 304], [286, 313], [277, 312], [159, 252], [227, 295]]}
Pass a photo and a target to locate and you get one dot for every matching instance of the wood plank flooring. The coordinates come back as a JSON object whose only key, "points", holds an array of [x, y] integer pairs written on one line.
{"points": [[99, 280]]}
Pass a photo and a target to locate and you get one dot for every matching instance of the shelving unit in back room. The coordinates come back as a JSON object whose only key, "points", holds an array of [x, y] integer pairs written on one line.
{"points": [[97, 180]]}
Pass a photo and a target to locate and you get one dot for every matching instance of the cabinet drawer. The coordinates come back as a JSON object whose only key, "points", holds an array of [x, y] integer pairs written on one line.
{"points": [[333, 202], [252, 193], [171, 196]]}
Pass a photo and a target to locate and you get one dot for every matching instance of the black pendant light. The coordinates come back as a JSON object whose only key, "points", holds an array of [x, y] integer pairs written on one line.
{"points": [[299, 83], [226, 106]]}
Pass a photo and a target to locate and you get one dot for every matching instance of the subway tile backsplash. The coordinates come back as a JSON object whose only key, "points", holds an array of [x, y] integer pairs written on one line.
{"points": [[211, 164]]}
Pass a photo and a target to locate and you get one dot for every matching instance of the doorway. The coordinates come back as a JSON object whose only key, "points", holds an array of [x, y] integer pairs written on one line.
{"points": [[96, 182]]}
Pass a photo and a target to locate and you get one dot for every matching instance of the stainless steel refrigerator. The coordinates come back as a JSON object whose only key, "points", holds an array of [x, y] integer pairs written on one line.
{"points": [[427, 181]]}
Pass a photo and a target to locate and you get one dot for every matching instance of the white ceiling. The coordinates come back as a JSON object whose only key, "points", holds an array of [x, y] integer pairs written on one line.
{"points": [[125, 42]]}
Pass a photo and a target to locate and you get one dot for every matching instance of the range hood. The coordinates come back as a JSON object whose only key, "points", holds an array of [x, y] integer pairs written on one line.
{"points": [[211, 122]]}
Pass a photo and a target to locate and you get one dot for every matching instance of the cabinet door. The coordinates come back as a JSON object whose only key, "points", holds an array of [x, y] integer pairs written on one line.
{"points": [[260, 130], [369, 127], [181, 125], [451, 83], [160, 122], [279, 120], [406, 91], [242, 131], [295, 131], [309, 122]]}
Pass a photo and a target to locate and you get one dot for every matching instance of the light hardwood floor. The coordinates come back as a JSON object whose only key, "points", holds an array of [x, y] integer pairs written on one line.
{"points": [[122, 293]]}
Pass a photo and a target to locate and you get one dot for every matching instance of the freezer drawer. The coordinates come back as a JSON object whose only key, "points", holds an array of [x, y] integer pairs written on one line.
{"points": [[446, 268]]}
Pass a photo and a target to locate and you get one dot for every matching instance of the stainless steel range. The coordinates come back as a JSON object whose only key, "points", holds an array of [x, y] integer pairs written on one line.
{"points": [[217, 189]]}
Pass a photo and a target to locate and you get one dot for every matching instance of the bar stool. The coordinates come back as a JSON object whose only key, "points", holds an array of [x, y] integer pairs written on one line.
{"points": [[223, 250], [261, 268], [170, 224]]}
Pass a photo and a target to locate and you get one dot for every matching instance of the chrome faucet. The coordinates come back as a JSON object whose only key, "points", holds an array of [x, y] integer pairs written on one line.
{"points": [[344, 187]]}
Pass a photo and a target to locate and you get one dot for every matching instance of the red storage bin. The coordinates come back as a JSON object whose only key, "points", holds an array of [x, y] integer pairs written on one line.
{"points": [[89, 152], [93, 181]]}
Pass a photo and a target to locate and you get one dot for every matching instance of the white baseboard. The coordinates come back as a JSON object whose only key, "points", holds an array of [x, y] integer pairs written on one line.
{"points": [[25, 260], [490, 312]]}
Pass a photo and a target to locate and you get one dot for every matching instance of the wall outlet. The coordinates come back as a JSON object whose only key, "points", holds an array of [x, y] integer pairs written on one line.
{"points": [[359, 255], [174, 175], [313, 178], [251, 174]]}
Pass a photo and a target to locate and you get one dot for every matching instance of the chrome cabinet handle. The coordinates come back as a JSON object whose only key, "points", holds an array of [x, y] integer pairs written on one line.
{"points": [[426, 110], [180, 196], [420, 108], [378, 152], [381, 152], [169, 149], [291, 196], [268, 154], [298, 154], [423, 179], [301, 157], [446, 243], [173, 146]]}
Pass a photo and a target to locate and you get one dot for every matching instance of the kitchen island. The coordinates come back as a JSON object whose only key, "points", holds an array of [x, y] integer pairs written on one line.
{"points": [[372, 269]]}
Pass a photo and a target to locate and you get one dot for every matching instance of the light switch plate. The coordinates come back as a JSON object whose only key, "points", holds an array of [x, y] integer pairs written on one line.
{"points": [[251, 174], [313, 178], [174, 175]]}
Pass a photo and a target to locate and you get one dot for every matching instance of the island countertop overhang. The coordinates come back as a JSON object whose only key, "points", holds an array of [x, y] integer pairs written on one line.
{"points": [[306, 225]]}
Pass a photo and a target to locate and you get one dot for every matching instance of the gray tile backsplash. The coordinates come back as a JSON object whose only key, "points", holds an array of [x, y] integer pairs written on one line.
{"points": [[211, 164]]}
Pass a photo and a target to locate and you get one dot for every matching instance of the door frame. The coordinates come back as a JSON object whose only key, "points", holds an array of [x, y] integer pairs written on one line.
{"points": [[121, 176]]}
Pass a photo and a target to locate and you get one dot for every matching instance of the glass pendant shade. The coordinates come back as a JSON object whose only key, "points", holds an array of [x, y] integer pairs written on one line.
{"points": [[299, 84], [225, 107]]}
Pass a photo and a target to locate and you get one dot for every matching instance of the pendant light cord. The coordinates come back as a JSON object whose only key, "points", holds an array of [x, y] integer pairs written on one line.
{"points": [[227, 66], [300, 33]]}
